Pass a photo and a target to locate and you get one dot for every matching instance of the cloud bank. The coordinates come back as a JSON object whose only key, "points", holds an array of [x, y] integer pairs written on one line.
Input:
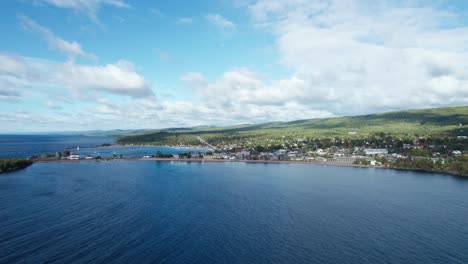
{"points": [[29, 73], [345, 57]]}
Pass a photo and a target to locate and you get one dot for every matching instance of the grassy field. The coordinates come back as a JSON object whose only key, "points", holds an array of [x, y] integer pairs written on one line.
{"points": [[436, 122]]}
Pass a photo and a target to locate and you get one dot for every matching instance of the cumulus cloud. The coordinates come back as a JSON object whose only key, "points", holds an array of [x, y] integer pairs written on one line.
{"points": [[72, 49], [346, 57], [89, 7], [353, 57], [117, 78], [240, 94], [220, 22]]}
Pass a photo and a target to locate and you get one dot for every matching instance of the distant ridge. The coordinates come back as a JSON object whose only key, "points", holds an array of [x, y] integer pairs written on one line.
{"points": [[444, 122]]}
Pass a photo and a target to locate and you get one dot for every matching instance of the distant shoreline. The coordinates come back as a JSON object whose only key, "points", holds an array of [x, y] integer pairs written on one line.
{"points": [[254, 161], [197, 148]]}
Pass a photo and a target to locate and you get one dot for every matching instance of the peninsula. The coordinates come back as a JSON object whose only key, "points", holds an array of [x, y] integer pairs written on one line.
{"points": [[9, 165]]}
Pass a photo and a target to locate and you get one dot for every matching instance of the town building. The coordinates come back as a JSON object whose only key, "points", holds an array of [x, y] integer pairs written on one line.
{"points": [[372, 151]]}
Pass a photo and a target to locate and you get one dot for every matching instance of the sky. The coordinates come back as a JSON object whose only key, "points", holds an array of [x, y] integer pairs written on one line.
{"points": [[125, 64]]}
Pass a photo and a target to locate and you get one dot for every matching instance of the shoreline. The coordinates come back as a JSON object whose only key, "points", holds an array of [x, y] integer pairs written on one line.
{"points": [[257, 161], [114, 144], [13, 165]]}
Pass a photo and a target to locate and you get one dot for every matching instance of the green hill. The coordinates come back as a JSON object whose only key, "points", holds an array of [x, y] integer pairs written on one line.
{"points": [[436, 122]]}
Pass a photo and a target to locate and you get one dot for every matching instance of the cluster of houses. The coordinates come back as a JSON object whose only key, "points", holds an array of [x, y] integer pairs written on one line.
{"points": [[320, 155], [299, 151]]}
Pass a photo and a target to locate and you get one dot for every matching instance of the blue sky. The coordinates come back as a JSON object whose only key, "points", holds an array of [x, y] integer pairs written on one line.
{"points": [[106, 64]]}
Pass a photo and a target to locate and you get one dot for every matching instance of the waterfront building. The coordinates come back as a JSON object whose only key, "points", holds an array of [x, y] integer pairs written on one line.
{"points": [[371, 151]]}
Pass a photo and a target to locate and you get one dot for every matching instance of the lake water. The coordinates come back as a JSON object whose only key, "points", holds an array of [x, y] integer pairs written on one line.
{"points": [[169, 212], [24, 146]]}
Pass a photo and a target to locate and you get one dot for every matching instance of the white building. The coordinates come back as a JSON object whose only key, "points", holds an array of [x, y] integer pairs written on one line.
{"points": [[320, 152], [74, 156], [370, 151], [293, 154]]}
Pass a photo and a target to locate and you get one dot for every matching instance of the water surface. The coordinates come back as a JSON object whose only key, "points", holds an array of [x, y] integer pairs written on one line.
{"points": [[24, 146], [169, 212]]}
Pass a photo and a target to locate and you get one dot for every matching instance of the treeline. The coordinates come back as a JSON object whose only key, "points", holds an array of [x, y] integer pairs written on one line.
{"points": [[161, 155], [455, 165], [160, 138], [268, 140], [7, 165]]}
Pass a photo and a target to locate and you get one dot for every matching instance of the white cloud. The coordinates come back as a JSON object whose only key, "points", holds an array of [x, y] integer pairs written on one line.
{"points": [[117, 78], [185, 20], [72, 49], [240, 96], [346, 57], [352, 57], [220, 21], [89, 7]]}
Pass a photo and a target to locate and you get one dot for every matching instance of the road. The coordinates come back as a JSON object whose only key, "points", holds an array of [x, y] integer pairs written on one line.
{"points": [[204, 142]]}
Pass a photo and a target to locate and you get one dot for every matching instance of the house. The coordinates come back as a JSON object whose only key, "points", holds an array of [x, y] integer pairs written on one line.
{"points": [[345, 160], [280, 152], [435, 160], [196, 156], [320, 152], [74, 156], [217, 156], [294, 154], [370, 151]]}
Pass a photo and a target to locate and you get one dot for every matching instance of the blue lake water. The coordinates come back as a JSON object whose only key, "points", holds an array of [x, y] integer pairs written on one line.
{"points": [[169, 212], [133, 151], [24, 146]]}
